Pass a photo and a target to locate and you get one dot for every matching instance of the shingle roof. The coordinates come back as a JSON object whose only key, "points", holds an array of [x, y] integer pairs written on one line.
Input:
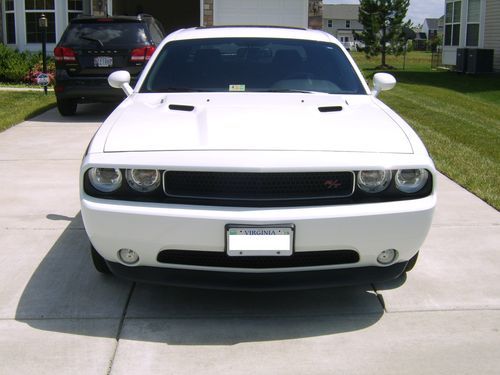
{"points": [[432, 23], [341, 11]]}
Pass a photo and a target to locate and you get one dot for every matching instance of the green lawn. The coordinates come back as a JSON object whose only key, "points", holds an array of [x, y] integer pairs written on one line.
{"points": [[457, 117], [17, 106]]}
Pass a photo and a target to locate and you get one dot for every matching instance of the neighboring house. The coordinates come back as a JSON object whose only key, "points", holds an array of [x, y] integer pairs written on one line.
{"points": [[20, 29], [420, 41], [433, 27], [342, 21], [471, 24]]}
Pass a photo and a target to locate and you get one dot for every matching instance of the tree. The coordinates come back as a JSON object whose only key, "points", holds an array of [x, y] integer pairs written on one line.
{"points": [[384, 28]]}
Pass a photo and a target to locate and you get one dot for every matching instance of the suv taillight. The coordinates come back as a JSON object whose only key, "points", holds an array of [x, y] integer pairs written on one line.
{"points": [[64, 54], [141, 54]]}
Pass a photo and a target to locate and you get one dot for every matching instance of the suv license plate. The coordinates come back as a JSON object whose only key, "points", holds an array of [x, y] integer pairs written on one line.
{"points": [[103, 62], [259, 240]]}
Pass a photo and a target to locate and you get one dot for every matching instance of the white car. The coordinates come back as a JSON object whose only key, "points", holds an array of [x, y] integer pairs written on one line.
{"points": [[255, 158]]}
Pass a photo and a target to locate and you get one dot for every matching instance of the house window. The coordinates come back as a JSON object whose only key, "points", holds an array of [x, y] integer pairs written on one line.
{"points": [[473, 18], [10, 22], [452, 23], [75, 8], [330, 23], [34, 10], [347, 24]]}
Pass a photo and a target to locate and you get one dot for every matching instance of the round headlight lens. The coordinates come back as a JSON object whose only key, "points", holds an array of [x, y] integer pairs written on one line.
{"points": [[143, 180], [411, 180], [105, 180], [374, 181]]}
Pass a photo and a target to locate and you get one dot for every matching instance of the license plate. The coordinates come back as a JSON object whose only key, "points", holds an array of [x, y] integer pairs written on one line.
{"points": [[259, 240], [103, 61]]}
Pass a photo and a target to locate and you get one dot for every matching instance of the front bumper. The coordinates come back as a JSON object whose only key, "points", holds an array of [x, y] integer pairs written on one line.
{"points": [[149, 228], [258, 282]]}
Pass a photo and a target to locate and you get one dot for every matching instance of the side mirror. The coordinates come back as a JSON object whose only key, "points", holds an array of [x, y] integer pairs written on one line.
{"points": [[382, 82], [121, 80]]}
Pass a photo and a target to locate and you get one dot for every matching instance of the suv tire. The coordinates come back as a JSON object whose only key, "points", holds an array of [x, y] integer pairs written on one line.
{"points": [[67, 107]]}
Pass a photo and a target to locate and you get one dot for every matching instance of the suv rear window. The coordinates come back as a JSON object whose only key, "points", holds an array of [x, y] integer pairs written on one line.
{"points": [[105, 34]]}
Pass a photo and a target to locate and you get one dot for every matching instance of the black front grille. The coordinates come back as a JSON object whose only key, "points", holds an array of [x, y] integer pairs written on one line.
{"points": [[258, 186], [221, 259]]}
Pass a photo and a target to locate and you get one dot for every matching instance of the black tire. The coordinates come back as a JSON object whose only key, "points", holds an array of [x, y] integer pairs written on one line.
{"points": [[99, 262], [67, 107], [411, 263]]}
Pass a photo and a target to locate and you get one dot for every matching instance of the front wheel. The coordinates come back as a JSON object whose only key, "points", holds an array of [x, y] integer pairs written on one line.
{"points": [[67, 107], [99, 262]]}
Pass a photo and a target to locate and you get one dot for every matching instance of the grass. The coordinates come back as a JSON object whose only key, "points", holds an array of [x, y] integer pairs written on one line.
{"points": [[457, 117], [16, 107]]}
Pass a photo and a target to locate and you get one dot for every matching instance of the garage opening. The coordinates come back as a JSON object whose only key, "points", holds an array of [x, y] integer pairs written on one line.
{"points": [[173, 15]]}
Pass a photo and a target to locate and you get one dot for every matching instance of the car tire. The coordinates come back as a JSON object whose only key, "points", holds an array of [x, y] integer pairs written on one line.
{"points": [[411, 263], [67, 107], [99, 262]]}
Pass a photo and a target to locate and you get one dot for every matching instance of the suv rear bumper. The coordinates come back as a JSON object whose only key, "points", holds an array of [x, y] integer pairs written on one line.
{"points": [[88, 90], [258, 281]]}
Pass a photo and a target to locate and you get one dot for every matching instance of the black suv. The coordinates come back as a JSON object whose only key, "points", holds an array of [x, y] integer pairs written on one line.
{"points": [[91, 48]]}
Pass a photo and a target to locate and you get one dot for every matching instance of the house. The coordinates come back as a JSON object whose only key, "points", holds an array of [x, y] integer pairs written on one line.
{"points": [[19, 18], [420, 41], [433, 27], [342, 21], [471, 24]]}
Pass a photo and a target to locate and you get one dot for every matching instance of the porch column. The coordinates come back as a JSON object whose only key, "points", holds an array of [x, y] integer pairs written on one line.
{"points": [[208, 13], [315, 20], [102, 7]]}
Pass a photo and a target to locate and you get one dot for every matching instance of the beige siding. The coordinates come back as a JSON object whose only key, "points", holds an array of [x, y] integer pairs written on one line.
{"points": [[492, 30]]}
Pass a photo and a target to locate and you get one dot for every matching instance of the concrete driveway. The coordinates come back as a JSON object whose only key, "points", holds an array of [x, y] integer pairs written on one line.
{"points": [[58, 316]]}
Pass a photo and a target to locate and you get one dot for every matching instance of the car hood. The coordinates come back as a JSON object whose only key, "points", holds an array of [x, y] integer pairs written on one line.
{"points": [[252, 121]]}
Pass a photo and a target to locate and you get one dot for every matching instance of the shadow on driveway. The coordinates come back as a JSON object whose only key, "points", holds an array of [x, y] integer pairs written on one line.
{"points": [[85, 113], [65, 288]]}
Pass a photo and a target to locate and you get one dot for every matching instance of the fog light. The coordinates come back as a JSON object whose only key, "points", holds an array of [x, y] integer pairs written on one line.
{"points": [[128, 256], [387, 256]]}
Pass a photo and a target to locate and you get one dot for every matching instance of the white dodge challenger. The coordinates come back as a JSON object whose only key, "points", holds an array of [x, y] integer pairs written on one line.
{"points": [[255, 158]]}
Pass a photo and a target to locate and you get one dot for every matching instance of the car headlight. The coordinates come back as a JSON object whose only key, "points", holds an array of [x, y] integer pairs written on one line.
{"points": [[411, 180], [143, 180], [105, 180], [374, 181]]}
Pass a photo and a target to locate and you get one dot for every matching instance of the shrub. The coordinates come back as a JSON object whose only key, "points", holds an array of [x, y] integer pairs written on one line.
{"points": [[19, 67]]}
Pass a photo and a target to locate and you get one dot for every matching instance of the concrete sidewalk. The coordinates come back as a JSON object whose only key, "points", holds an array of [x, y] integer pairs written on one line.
{"points": [[59, 316]]}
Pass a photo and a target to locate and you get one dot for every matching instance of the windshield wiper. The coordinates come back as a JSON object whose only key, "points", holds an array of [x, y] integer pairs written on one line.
{"points": [[85, 37], [290, 90]]}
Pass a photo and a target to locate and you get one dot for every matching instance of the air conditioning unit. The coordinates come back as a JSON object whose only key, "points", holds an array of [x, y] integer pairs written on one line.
{"points": [[461, 64], [479, 60]]}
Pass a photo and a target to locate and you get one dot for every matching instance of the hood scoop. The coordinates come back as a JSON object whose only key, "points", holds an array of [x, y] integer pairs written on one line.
{"points": [[181, 107], [333, 108]]}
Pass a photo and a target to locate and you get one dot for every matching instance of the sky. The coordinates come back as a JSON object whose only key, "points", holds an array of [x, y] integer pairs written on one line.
{"points": [[418, 11]]}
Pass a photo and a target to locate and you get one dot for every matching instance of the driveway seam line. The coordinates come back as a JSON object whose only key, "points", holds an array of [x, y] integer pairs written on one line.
{"points": [[120, 327]]}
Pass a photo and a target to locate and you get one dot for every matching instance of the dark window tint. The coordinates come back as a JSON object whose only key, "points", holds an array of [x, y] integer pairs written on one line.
{"points": [[9, 5], [112, 34], [39, 4], [75, 5], [456, 35], [10, 28], [252, 64], [472, 35], [33, 31]]}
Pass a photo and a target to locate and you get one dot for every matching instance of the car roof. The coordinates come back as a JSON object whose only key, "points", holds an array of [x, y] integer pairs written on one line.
{"points": [[251, 32]]}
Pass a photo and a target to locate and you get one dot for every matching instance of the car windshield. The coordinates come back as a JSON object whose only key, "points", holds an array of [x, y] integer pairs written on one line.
{"points": [[252, 65], [104, 34]]}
